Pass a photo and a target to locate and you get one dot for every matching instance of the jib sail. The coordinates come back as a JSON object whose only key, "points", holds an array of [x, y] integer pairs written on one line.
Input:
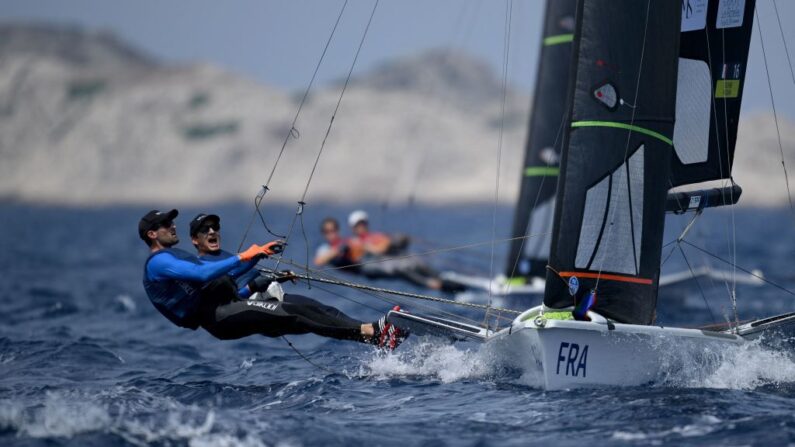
{"points": [[536, 203], [716, 35], [616, 158]]}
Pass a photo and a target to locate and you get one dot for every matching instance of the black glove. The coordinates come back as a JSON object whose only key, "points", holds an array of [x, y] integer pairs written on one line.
{"points": [[284, 276]]}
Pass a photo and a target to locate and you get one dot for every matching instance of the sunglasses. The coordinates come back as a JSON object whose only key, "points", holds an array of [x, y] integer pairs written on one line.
{"points": [[205, 228], [330, 230]]}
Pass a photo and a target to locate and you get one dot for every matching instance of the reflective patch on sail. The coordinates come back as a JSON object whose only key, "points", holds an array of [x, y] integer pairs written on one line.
{"points": [[636, 191], [607, 95], [610, 233], [539, 230], [693, 107], [592, 221]]}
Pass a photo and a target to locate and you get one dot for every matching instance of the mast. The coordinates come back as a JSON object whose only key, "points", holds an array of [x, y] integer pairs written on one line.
{"points": [[617, 151], [536, 203]]}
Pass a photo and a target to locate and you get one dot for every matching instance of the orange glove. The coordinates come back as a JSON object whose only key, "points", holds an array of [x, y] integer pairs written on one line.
{"points": [[255, 250], [250, 253]]}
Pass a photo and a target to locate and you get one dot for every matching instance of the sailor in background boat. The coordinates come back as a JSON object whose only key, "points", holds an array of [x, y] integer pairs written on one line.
{"points": [[335, 251], [193, 293], [378, 255]]}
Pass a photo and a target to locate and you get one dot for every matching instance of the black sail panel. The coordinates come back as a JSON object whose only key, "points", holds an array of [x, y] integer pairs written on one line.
{"points": [[716, 36], [536, 203], [617, 151]]}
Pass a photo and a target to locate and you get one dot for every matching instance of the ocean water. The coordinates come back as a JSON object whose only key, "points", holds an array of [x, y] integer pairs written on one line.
{"points": [[86, 360]]}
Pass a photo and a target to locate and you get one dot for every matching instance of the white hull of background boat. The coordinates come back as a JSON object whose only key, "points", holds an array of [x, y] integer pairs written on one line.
{"points": [[501, 286]]}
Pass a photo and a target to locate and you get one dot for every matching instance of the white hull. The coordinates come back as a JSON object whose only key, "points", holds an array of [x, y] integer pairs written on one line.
{"points": [[569, 354]]}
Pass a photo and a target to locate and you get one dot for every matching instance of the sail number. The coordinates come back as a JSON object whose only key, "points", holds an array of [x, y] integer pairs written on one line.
{"points": [[572, 359]]}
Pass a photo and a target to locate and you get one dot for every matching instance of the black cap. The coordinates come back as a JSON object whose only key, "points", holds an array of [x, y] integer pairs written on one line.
{"points": [[197, 222], [152, 220]]}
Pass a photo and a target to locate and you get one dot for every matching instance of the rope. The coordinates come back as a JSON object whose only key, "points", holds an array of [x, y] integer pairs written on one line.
{"points": [[775, 115], [761, 278], [307, 359], [786, 48], [418, 296], [302, 202], [698, 283], [430, 252], [387, 297], [292, 133], [505, 63]]}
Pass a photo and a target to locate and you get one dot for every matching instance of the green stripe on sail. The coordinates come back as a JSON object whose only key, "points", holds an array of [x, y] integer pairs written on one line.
{"points": [[559, 39], [541, 171], [615, 125]]}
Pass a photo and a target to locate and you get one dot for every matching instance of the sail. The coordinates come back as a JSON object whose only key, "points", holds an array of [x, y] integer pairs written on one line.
{"points": [[616, 158], [536, 203], [714, 46]]}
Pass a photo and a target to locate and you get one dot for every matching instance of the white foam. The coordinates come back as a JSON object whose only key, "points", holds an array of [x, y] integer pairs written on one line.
{"points": [[703, 425], [440, 361], [70, 414], [740, 367], [57, 417]]}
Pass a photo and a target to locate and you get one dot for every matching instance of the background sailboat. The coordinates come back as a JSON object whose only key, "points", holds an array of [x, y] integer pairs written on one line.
{"points": [[699, 139], [619, 161]]}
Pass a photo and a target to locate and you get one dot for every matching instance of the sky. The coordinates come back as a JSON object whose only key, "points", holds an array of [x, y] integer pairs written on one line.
{"points": [[279, 42]]}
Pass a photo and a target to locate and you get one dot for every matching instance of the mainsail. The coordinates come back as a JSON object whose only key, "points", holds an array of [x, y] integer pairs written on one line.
{"points": [[536, 203], [714, 46], [617, 153]]}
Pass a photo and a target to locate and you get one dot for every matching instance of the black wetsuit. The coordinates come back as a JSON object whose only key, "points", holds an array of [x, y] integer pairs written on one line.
{"points": [[192, 293], [227, 318]]}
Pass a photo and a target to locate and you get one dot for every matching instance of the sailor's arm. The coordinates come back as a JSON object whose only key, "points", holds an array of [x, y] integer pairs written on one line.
{"points": [[326, 255], [166, 265]]}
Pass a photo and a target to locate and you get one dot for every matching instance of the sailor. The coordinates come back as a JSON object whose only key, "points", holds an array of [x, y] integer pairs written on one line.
{"points": [[335, 251], [377, 255], [193, 293], [365, 242]]}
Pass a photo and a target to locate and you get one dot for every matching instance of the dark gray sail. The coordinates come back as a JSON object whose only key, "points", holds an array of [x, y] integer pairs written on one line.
{"points": [[536, 203], [616, 158], [714, 46]]}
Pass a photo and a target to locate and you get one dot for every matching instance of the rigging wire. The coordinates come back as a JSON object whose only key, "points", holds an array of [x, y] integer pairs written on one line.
{"points": [[353, 285], [775, 114], [391, 298], [786, 48], [733, 244], [430, 252], [292, 133], [505, 64], [731, 228], [698, 283], [750, 272], [302, 202]]}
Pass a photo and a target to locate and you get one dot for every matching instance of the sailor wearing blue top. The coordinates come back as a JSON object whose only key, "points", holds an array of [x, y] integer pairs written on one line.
{"points": [[194, 293]]}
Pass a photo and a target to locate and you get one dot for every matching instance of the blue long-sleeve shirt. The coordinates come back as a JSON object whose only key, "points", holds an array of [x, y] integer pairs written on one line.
{"points": [[173, 280]]}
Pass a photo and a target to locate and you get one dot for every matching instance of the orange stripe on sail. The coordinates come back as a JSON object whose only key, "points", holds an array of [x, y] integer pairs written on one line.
{"points": [[607, 276]]}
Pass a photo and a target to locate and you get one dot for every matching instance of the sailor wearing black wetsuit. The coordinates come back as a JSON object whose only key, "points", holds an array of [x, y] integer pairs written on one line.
{"points": [[193, 293]]}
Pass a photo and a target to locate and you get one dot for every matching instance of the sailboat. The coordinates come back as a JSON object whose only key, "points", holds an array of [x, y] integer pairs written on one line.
{"points": [[653, 104], [531, 238]]}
